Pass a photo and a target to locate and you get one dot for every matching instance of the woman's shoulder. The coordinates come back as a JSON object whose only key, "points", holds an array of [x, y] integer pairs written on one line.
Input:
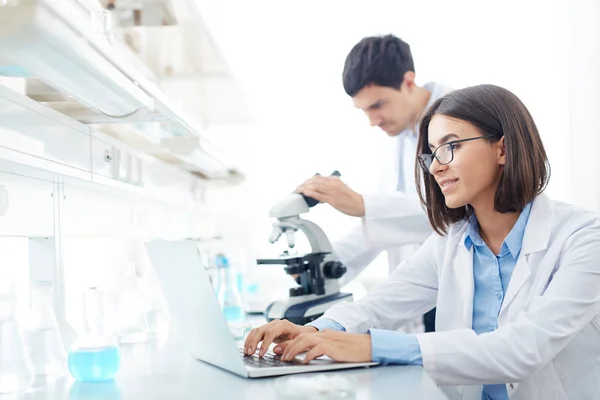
{"points": [[566, 214], [562, 222]]}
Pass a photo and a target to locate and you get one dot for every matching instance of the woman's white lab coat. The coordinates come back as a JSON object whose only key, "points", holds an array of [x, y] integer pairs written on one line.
{"points": [[547, 345]]}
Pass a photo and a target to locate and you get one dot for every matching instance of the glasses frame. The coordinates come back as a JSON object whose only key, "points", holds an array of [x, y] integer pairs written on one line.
{"points": [[451, 144]]}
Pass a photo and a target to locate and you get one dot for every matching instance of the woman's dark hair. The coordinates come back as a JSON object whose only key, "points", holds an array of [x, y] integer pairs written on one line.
{"points": [[497, 112], [377, 60]]}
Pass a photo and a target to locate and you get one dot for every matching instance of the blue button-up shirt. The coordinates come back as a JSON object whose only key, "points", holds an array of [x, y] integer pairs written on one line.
{"points": [[491, 275]]}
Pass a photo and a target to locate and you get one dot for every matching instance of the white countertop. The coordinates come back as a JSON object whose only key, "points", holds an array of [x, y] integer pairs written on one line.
{"points": [[163, 370]]}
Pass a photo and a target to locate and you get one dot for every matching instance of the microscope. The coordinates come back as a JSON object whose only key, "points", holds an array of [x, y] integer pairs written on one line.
{"points": [[317, 272]]}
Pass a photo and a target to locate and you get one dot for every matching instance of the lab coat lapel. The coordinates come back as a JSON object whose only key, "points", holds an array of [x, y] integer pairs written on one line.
{"points": [[463, 271], [537, 234], [394, 167], [520, 275]]}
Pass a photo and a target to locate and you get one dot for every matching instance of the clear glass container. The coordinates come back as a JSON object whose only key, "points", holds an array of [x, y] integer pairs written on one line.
{"points": [[95, 391], [95, 356], [155, 312], [131, 324], [229, 295], [16, 370], [46, 347]]}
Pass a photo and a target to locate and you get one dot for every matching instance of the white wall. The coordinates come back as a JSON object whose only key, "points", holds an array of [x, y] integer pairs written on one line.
{"points": [[290, 56]]}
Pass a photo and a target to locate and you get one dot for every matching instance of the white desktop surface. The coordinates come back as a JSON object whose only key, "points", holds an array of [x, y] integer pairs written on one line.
{"points": [[161, 369]]}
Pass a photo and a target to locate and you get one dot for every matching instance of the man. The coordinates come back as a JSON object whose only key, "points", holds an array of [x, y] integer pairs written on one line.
{"points": [[379, 75]]}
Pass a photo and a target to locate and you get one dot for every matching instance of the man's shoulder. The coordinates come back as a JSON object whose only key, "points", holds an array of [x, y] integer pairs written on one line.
{"points": [[437, 90]]}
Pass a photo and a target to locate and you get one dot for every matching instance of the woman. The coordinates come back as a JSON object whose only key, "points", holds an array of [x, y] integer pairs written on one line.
{"points": [[516, 276]]}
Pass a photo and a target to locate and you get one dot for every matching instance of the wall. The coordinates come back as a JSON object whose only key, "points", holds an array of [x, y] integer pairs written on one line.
{"points": [[289, 56]]}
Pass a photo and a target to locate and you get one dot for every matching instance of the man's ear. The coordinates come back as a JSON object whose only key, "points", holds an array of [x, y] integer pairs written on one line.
{"points": [[408, 82]]}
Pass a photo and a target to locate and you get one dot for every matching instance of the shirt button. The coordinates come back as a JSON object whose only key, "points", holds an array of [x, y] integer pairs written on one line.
{"points": [[499, 296], [510, 385]]}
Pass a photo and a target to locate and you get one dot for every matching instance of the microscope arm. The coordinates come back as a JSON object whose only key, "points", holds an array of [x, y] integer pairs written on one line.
{"points": [[317, 239]]}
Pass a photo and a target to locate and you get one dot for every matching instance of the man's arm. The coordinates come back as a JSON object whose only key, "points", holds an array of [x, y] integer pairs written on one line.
{"points": [[391, 220], [388, 220], [394, 219]]}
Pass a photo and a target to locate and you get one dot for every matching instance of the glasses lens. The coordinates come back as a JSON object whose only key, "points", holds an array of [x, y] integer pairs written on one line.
{"points": [[444, 154], [426, 160]]}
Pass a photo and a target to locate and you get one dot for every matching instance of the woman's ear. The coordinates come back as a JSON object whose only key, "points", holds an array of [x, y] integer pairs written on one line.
{"points": [[501, 151]]}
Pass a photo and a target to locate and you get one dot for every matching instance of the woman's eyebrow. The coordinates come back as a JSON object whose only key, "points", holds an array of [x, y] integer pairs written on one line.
{"points": [[444, 139]]}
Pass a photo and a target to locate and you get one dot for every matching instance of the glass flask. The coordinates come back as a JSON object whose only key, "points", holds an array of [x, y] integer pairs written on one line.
{"points": [[153, 301], [131, 324], [95, 391], [46, 348], [229, 295], [16, 370], [155, 310], [95, 356]]}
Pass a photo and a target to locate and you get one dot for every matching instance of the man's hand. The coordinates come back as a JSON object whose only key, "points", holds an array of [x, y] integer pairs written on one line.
{"points": [[339, 346], [331, 190], [277, 331]]}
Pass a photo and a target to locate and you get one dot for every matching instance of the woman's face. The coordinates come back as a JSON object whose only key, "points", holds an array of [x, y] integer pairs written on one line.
{"points": [[473, 174]]}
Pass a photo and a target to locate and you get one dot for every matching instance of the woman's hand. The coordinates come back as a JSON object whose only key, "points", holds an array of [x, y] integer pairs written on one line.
{"points": [[277, 331], [339, 346]]}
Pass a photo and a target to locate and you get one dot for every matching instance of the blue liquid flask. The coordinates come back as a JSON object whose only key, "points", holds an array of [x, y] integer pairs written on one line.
{"points": [[94, 357], [229, 295]]}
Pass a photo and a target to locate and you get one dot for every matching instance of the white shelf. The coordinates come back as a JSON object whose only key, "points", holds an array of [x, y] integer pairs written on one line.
{"points": [[52, 40]]}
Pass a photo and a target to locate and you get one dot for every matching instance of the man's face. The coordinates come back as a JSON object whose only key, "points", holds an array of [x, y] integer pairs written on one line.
{"points": [[389, 109]]}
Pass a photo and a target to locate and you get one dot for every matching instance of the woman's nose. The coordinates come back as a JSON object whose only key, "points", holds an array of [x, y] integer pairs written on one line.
{"points": [[436, 167]]}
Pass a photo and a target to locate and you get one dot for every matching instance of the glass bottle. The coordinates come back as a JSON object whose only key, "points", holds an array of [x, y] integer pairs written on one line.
{"points": [[131, 323], [95, 356], [16, 371], [229, 295], [155, 311], [46, 348], [154, 303]]}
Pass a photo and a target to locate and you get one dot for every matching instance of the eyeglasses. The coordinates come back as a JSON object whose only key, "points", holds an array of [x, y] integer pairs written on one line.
{"points": [[444, 153]]}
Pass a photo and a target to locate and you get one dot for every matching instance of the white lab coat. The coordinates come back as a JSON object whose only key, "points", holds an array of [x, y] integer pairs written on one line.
{"points": [[547, 345], [393, 217]]}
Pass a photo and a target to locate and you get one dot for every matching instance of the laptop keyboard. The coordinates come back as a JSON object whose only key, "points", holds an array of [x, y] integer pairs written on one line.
{"points": [[269, 360]]}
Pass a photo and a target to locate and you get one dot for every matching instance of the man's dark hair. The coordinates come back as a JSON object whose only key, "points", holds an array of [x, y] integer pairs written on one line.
{"points": [[377, 60], [496, 112]]}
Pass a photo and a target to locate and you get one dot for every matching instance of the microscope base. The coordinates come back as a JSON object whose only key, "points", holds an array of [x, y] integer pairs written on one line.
{"points": [[305, 312]]}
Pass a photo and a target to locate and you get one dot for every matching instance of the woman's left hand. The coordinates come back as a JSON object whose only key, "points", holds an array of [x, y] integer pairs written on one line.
{"points": [[339, 346]]}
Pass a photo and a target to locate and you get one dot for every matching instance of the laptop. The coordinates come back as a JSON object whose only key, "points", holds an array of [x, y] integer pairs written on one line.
{"points": [[197, 315]]}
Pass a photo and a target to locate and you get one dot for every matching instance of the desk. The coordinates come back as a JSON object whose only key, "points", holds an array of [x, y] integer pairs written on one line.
{"points": [[163, 370]]}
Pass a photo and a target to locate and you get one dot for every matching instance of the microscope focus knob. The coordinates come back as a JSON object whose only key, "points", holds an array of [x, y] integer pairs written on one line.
{"points": [[334, 269], [296, 291]]}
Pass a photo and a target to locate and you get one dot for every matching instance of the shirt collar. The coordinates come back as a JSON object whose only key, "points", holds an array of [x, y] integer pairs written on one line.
{"points": [[436, 91], [512, 243]]}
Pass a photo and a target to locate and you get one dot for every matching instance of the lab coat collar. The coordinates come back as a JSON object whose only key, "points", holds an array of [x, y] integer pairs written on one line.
{"points": [[537, 231], [535, 238]]}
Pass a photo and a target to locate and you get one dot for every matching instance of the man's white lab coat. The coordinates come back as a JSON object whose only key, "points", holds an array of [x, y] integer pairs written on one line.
{"points": [[393, 216]]}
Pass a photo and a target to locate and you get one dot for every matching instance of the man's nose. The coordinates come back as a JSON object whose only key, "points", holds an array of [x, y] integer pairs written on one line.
{"points": [[374, 120]]}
